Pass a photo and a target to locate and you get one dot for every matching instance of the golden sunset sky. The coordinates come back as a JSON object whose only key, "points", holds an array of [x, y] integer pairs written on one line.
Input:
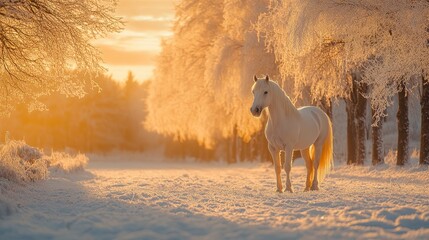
{"points": [[137, 46]]}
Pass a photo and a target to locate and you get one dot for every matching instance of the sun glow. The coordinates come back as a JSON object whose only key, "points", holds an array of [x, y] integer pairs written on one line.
{"points": [[136, 47]]}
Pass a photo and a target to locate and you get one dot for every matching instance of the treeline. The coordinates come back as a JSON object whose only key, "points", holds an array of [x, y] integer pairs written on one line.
{"points": [[367, 54], [360, 115], [231, 150], [111, 117], [105, 120]]}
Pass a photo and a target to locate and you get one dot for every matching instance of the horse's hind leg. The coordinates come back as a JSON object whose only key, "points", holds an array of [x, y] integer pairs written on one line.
{"points": [[309, 164], [275, 154], [288, 167], [317, 154]]}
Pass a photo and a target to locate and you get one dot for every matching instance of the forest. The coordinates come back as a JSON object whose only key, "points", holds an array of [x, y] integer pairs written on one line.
{"points": [[356, 58], [370, 55]]}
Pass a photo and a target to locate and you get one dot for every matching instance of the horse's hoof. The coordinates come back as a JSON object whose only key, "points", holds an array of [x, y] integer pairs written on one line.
{"points": [[306, 189], [279, 191], [315, 188], [290, 190]]}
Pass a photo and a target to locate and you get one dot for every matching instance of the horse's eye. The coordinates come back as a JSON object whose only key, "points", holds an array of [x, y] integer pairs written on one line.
{"points": [[266, 92]]}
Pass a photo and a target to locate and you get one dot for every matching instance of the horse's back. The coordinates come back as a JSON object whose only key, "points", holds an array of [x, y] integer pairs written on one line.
{"points": [[315, 125], [314, 112]]}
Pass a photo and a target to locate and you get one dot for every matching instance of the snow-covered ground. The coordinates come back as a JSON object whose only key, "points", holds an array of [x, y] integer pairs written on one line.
{"points": [[149, 200]]}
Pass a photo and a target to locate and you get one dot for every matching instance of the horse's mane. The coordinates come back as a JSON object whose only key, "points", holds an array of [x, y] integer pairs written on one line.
{"points": [[281, 96]]}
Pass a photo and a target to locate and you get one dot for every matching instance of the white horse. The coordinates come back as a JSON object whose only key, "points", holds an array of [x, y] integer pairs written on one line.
{"points": [[307, 129]]}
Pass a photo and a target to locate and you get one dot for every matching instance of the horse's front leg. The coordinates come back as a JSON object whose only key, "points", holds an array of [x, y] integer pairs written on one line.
{"points": [[288, 167], [275, 154]]}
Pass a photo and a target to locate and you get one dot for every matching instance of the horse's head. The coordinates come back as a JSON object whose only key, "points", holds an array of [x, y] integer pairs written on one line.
{"points": [[261, 95]]}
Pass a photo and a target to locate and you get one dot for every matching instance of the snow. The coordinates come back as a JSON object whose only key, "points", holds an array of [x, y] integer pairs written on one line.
{"points": [[130, 199]]}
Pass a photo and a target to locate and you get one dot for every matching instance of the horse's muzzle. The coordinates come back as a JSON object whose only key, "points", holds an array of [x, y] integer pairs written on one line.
{"points": [[256, 111]]}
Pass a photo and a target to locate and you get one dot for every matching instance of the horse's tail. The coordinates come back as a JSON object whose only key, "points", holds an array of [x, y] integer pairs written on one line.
{"points": [[326, 158]]}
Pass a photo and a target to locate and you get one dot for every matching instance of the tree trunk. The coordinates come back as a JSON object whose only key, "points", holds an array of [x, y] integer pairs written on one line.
{"points": [[360, 122], [377, 141], [244, 150], [403, 126], [424, 135], [249, 152], [351, 125], [234, 146], [326, 105], [351, 132], [227, 145]]}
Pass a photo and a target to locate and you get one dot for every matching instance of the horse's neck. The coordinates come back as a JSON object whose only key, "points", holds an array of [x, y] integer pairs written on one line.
{"points": [[281, 108]]}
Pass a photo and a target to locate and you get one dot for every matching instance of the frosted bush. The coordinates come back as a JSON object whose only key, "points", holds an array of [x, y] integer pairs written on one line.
{"points": [[21, 162], [22, 150], [66, 163], [390, 157], [415, 154]]}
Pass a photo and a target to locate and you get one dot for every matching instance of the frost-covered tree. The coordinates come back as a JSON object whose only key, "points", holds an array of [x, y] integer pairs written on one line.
{"points": [[360, 122], [424, 137], [179, 100], [403, 126], [42, 40], [319, 42], [235, 57], [377, 140], [201, 88]]}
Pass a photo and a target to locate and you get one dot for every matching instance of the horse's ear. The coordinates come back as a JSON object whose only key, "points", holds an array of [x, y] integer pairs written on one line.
{"points": [[267, 78], [255, 78]]}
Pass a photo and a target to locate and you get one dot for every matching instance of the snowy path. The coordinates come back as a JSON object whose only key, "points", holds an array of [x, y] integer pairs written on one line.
{"points": [[195, 201]]}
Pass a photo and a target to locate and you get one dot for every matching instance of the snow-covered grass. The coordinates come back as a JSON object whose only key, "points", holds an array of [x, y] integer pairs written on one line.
{"points": [[61, 161], [21, 162], [120, 199]]}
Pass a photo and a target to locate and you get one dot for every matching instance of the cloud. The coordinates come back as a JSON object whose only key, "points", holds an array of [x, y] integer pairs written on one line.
{"points": [[148, 26], [158, 8], [137, 46], [134, 41], [117, 56], [148, 23]]}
